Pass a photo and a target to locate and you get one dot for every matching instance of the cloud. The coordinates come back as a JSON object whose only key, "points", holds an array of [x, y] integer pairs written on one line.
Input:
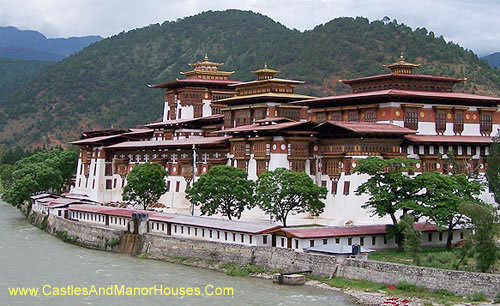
{"points": [[472, 24]]}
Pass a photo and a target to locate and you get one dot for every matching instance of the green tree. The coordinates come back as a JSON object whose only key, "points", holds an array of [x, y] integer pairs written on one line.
{"points": [[390, 188], [225, 190], [481, 219], [440, 197], [493, 171], [412, 237], [31, 179], [283, 192], [145, 184]]}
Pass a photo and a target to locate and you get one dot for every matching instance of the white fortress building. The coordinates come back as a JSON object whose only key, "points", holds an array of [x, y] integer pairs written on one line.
{"points": [[261, 125]]}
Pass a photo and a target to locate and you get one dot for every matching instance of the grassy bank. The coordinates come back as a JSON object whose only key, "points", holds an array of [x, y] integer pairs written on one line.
{"points": [[403, 289], [440, 258]]}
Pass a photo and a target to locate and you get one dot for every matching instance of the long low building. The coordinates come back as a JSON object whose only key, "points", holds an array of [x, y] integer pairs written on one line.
{"points": [[191, 227], [374, 237]]}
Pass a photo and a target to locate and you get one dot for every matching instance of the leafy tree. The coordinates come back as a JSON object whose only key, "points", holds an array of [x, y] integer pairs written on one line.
{"points": [[389, 187], [283, 192], [225, 190], [145, 184], [440, 197], [412, 237], [493, 171], [482, 220]]}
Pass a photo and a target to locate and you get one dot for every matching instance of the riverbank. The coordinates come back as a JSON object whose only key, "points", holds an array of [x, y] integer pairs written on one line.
{"points": [[240, 261]]}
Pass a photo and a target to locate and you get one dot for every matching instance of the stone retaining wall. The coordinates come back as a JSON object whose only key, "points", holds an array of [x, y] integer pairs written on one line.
{"points": [[158, 246], [95, 237], [458, 282]]}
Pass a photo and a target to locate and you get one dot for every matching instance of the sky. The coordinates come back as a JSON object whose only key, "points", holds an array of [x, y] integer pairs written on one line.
{"points": [[473, 24]]}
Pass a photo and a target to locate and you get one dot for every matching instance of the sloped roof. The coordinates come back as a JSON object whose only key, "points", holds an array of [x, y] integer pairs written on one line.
{"points": [[370, 127], [340, 231], [170, 143], [263, 127], [448, 139]]}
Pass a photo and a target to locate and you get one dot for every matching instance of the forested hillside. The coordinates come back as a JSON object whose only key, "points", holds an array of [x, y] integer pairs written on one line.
{"points": [[16, 73], [105, 84]]}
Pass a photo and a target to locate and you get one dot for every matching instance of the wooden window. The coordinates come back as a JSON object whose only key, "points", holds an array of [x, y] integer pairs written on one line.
{"points": [[336, 116], [349, 241], [114, 184], [261, 166], [241, 163], [429, 165], [458, 125], [485, 123], [311, 243], [108, 169], [242, 238], [168, 186], [290, 113], [260, 113], [334, 187], [429, 237], [374, 240], [361, 240], [259, 148], [216, 109], [337, 240], [228, 119], [109, 184], [353, 116], [333, 167], [296, 244], [198, 111], [264, 239], [240, 149], [177, 186], [347, 185], [299, 149], [371, 115], [440, 122], [298, 165], [320, 117], [325, 241], [242, 117], [411, 118], [347, 166], [312, 166]]}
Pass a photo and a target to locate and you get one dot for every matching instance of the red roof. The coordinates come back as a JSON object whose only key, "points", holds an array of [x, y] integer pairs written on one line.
{"points": [[449, 139], [341, 231], [170, 143], [401, 93], [109, 211], [266, 127], [193, 81], [94, 139], [404, 76], [370, 127]]}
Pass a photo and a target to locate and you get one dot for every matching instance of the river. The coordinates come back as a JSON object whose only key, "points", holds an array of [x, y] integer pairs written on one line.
{"points": [[32, 258]]}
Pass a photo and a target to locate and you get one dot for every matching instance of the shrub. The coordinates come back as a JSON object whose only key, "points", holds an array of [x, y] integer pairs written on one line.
{"points": [[233, 269], [478, 297], [403, 285], [497, 298]]}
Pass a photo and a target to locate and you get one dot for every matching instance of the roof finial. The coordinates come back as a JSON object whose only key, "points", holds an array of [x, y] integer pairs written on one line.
{"points": [[206, 57], [402, 56], [265, 65]]}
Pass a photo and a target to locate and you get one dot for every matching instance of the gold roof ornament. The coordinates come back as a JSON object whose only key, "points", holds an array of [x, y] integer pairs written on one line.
{"points": [[265, 73], [207, 70], [402, 66]]}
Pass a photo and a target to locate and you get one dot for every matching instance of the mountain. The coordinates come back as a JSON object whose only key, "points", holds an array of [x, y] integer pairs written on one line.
{"points": [[493, 59], [14, 74], [104, 84], [33, 45]]}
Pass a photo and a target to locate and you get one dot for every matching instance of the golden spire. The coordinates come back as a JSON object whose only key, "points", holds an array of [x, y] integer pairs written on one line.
{"points": [[401, 66], [265, 73], [206, 57]]}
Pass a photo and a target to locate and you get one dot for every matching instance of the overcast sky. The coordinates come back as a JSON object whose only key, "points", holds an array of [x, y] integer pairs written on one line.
{"points": [[473, 24]]}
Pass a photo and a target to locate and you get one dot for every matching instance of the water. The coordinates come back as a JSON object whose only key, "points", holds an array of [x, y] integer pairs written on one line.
{"points": [[32, 258]]}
